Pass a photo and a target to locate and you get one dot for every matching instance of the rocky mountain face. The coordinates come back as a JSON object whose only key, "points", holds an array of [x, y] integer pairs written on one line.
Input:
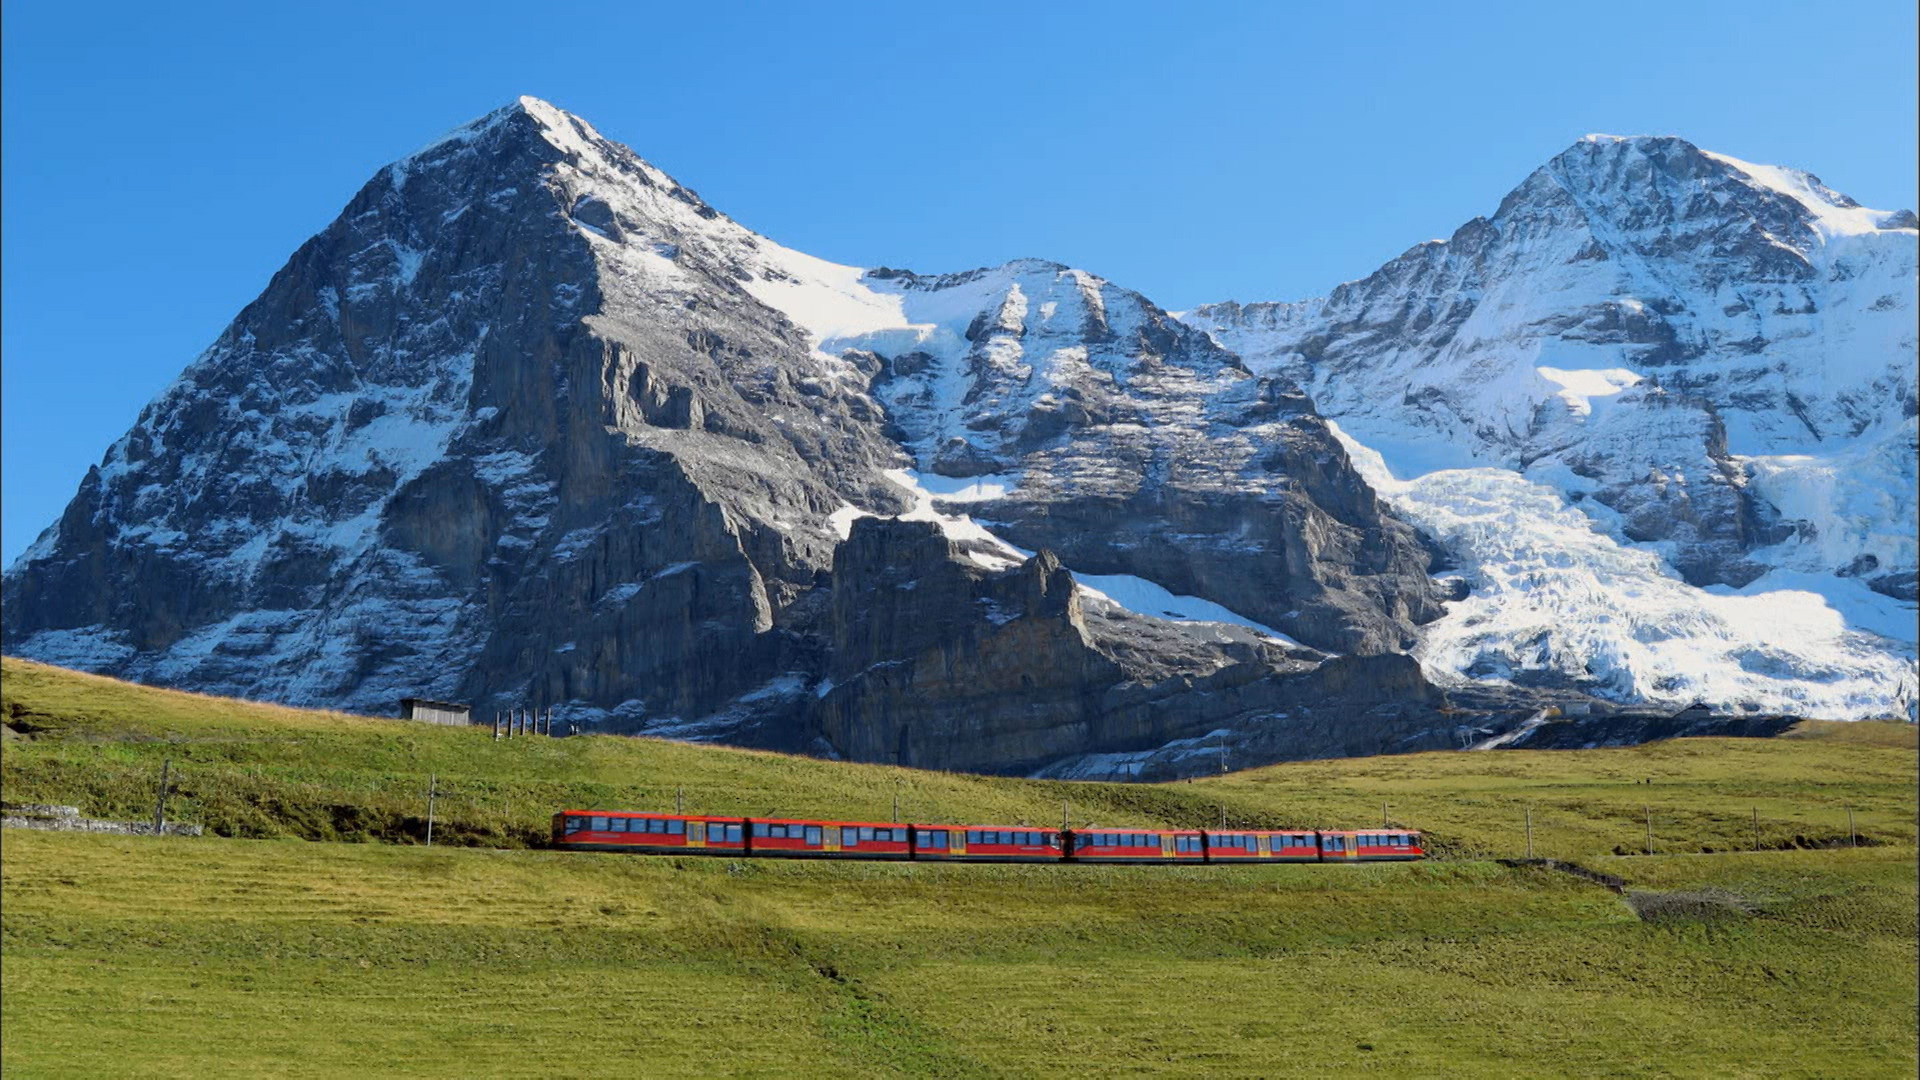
{"points": [[1712, 361], [531, 423]]}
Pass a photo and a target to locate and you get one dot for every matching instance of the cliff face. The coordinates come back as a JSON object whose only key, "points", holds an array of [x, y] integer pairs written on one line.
{"points": [[941, 662], [532, 423]]}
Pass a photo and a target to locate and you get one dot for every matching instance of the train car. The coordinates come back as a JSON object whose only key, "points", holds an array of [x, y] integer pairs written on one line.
{"points": [[987, 843], [1387, 845], [1135, 846], [803, 839], [1261, 845], [613, 830]]}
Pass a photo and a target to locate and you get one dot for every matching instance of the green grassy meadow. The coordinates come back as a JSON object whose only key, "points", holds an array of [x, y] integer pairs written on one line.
{"points": [[261, 950]]}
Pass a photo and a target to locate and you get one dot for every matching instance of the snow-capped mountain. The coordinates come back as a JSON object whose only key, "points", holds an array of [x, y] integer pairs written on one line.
{"points": [[531, 423], [1660, 406]]}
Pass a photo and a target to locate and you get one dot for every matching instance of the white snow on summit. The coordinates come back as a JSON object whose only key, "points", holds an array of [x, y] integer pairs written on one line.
{"points": [[1651, 357]]}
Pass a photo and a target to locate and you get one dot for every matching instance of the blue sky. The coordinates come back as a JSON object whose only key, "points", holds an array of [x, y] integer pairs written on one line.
{"points": [[162, 161]]}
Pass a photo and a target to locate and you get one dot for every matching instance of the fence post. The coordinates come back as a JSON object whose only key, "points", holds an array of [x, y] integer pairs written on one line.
{"points": [[496, 725], [432, 782], [1853, 838], [160, 803], [1649, 811], [1756, 828], [1529, 832]]}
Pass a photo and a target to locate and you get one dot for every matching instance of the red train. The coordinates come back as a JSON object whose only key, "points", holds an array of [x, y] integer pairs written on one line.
{"points": [[695, 834]]}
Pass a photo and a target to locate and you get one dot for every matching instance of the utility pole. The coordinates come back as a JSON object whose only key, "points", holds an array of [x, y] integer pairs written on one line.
{"points": [[680, 799], [496, 725], [432, 782], [1853, 838], [1223, 815], [1756, 828], [896, 807], [1649, 811], [160, 803], [1383, 817], [1529, 832], [1066, 815]]}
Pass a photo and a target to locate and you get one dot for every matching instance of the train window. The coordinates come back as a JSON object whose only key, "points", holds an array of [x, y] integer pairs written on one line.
{"points": [[599, 823], [937, 838], [655, 825], [778, 832], [733, 834], [575, 824], [677, 827], [759, 828], [813, 835], [866, 832], [973, 836]]}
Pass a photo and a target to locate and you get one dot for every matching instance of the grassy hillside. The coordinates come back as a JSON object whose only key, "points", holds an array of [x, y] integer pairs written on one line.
{"points": [[249, 770], [259, 955]]}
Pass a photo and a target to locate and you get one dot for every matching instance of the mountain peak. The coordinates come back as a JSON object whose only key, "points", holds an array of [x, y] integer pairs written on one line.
{"points": [[530, 116], [1630, 164]]}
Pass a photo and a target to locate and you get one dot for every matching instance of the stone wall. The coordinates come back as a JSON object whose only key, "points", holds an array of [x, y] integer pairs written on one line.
{"points": [[68, 819]]}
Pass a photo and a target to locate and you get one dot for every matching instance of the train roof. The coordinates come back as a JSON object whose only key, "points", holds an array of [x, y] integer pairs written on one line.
{"points": [[655, 814]]}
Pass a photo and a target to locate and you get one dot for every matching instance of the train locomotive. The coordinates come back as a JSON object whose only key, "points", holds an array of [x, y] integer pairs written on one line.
{"points": [[796, 838]]}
